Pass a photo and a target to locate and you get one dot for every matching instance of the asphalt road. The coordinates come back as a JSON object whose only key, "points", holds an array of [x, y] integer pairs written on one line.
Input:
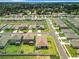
{"points": [[60, 48]]}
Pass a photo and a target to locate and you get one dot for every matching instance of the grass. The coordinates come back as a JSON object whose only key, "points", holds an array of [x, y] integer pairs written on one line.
{"points": [[27, 49], [72, 51], [45, 30], [44, 51], [25, 30], [51, 44], [12, 49], [17, 57], [61, 34], [8, 30], [54, 57], [34, 30], [28, 57], [58, 30]]}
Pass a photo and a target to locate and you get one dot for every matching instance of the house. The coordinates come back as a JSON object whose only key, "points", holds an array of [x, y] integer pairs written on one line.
{"points": [[15, 27], [1, 26], [16, 39], [32, 27], [75, 43], [8, 27], [60, 23], [4, 40], [40, 27], [29, 39], [23, 27], [41, 43], [4, 26], [70, 34]]}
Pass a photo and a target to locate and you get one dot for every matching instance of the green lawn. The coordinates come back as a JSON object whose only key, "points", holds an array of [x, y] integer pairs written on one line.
{"points": [[12, 49], [45, 30], [43, 51], [52, 48], [72, 51], [61, 34], [34, 30], [8, 30], [27, 49], [17, 57], [58, 30], [25, 30], [54, 57]]}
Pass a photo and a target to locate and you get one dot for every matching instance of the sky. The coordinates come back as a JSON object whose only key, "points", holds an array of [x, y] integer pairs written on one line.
{"points": [[39, 0]]}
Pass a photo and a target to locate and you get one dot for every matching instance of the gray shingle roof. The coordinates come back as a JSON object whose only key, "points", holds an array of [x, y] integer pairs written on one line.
{"points": [[75, 43], [4, 39], [28, 37]]}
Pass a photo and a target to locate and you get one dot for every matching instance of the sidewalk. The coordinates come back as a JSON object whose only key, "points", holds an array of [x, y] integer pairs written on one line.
{"points": [[73, 58], [29, 31], [15, 31], [2, 31], [63, 43]]}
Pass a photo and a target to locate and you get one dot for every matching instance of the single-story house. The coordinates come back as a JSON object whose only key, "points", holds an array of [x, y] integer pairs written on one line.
{"points": [[15, 27], [1, 26], [16, 40], [4, 40], [32, 27], [23, 27], [4, 26], [40, 27], [41, 43], [70, 34], [29, 39], [8, 27]]}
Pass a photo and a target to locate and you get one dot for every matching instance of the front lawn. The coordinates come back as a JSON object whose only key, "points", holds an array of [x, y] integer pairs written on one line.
{"points": [[8, 30], [45, 30], [12, 49], [52, 48], [58, 30], [17, 57], [61, 34], [27, 49], [72, 51], [25, 31]]}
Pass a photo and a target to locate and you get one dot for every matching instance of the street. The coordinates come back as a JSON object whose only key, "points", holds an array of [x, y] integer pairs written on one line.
{"points": [[60, 48]]}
